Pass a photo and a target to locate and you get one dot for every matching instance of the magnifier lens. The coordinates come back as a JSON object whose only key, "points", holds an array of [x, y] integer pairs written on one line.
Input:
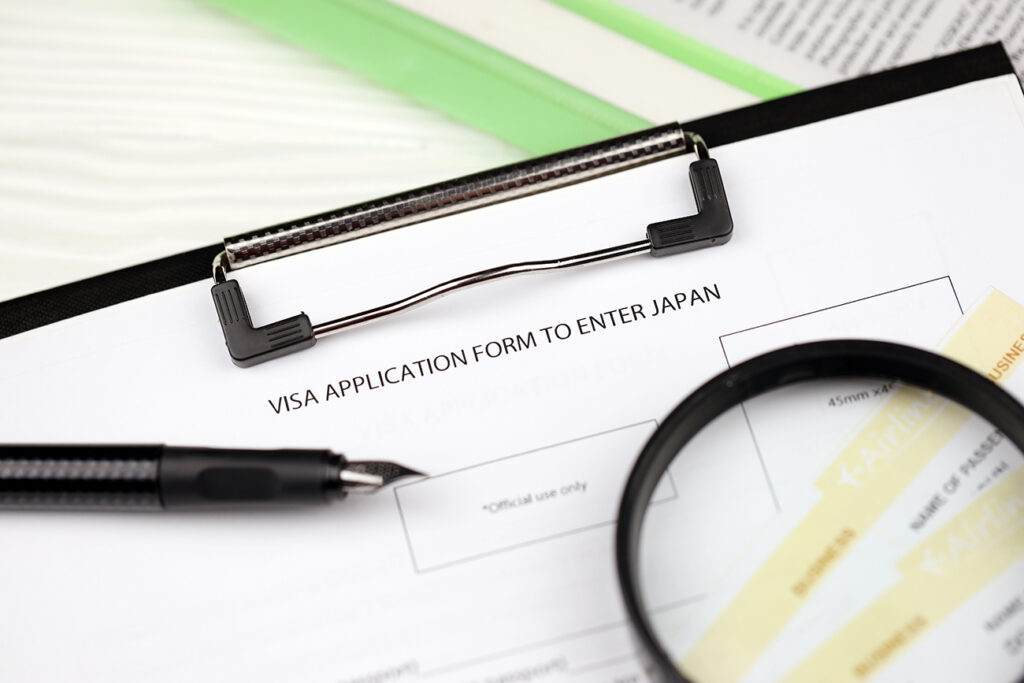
{"points": [[839, 530]]}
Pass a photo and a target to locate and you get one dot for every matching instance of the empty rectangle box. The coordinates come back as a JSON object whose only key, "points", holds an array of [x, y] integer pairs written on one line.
{"points": [[521, 499]]}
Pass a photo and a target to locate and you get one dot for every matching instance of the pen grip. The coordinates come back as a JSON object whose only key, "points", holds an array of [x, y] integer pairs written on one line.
{"points": [[91, 477], [216, 477]]}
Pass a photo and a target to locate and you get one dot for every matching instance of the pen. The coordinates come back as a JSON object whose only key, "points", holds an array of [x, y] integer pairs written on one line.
{"points": [[151, 477]]}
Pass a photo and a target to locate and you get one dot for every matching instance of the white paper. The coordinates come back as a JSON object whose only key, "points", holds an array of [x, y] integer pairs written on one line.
{"points": [[903, 196]]}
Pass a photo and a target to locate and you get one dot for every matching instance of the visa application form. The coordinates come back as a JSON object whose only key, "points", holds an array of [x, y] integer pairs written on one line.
{"points": [[527, 401]]}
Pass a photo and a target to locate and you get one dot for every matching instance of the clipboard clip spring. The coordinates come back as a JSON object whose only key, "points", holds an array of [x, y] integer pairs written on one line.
{"points": [[710, 226]]}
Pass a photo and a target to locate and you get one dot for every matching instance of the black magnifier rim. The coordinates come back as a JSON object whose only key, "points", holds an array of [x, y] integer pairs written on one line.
{"points": [[817, 360]]}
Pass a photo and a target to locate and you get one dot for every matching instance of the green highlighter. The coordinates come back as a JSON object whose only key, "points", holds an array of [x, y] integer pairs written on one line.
{"points": [[443, 69]]}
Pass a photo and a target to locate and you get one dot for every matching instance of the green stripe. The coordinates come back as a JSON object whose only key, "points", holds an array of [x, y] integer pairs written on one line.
{"points": [[444, 69], [682, 48]]}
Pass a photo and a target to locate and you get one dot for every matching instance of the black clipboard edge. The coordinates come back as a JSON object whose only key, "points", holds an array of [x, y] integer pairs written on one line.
{"points": [[848, 97], [66, 301], [84, 296]]}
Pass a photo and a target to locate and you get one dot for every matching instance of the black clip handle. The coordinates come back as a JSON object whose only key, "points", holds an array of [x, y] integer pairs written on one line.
{"points": [[710, 226], [250, 345]]}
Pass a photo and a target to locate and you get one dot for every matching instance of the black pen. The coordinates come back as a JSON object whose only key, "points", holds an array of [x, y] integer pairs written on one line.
{"points": [[158, 477]]}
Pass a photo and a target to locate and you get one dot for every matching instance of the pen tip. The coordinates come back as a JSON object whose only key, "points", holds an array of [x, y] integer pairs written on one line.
{"points": [[370, 475]]}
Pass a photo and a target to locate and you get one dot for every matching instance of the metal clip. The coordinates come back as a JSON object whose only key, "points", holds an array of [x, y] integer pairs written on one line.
{"points": [[249, 345]]}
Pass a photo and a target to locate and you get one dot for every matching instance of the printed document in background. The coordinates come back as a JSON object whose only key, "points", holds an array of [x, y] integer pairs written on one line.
{"points": [[526, 400]]}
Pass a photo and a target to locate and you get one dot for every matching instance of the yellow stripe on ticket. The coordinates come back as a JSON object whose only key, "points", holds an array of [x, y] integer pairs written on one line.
{"points": [[890, 449]]}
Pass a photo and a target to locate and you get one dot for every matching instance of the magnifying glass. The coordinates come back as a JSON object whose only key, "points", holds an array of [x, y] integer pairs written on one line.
{"points": [[834, 511]]}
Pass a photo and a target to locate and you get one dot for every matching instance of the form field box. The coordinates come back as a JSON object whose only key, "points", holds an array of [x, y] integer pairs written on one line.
{"points": [[917, 315], [521, 499], [798, 429]]}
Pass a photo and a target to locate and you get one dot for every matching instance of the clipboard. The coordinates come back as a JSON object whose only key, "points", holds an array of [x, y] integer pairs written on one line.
{"points": [[211, 581], [42, 308]]}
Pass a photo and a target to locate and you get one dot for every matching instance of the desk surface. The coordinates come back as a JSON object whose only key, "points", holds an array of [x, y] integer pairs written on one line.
{"points": [[135, 130]]}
